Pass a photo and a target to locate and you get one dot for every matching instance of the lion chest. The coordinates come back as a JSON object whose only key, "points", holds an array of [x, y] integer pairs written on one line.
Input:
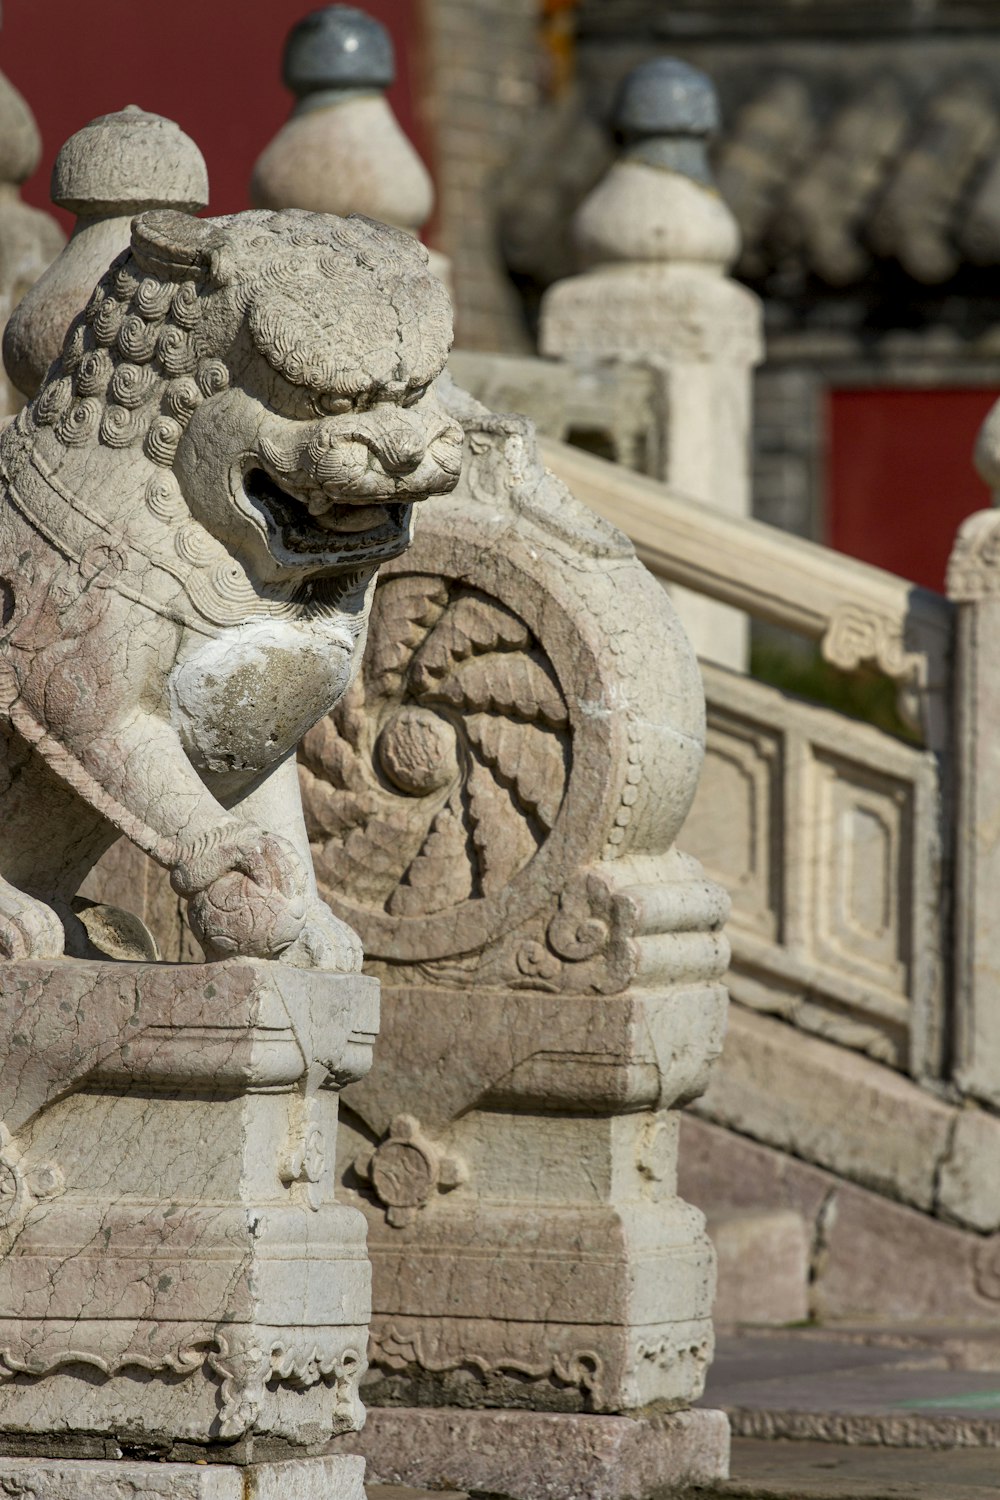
{"points": [[243, 700]]}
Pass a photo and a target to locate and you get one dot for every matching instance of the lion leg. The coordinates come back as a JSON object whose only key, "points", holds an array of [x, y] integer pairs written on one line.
{"points": [[275, 804], [28, 928]]}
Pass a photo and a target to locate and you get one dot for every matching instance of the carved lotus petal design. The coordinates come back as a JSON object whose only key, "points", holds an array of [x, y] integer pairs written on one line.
{"points": [[441, 774]]}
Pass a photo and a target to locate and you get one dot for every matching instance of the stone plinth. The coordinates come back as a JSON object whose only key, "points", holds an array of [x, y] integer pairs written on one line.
{"points": [[176, 1269], [307, 1479], [538, 1456]]}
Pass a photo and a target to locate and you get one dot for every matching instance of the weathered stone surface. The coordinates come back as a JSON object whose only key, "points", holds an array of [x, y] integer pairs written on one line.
{"points": [[169, 1204], [202, 416], [830, 1106], [196, 503], [969, 1183], [502, 786], [535, 1456], [339, 1478], [106, 173], [763, 1267]]}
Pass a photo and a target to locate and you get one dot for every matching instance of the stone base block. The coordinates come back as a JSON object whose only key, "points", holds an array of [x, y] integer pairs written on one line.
{"points": [[525, 1455], [340, 1478]]}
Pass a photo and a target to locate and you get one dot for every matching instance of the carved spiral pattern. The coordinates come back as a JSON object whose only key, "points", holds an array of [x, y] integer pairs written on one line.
{"points": [[164, 498], [161, 440], [182, 399], [175, 351], [120, 427], [94, 373], [439, 777], [53, 401], [81, 423], [194, 545], [212, 377], [152, 299], [132, 385], [137, 339], [106, 320], [185, 307], [76, 346]]}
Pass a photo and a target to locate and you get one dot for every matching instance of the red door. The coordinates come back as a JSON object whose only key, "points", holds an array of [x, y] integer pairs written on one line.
{"points": [[214, 66], [900, 475]]}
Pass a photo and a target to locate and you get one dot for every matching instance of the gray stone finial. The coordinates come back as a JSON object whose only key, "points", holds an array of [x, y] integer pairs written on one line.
{"points": [[129, 161], [664, 113], [335, 51]]}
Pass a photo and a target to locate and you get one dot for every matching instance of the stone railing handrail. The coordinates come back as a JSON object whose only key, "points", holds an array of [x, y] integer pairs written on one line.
{"points": [[858, 613]]}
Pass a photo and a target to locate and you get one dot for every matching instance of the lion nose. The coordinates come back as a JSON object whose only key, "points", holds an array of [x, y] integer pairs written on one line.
{"points": [[399, 444]]}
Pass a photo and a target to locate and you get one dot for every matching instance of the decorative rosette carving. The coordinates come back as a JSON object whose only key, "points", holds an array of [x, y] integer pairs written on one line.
{"points": [[497, 795], [441, 774]]}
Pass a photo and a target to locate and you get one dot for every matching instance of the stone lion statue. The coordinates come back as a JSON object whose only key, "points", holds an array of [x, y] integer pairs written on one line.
{"points": [[194, 509]]}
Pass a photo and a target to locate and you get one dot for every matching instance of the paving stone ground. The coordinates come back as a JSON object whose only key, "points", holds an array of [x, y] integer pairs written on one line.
{"points": [[901, 1412], [904, 1388]]}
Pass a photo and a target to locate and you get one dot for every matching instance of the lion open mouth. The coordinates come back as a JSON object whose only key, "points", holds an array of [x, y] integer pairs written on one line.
{"points": [[369, 531]]}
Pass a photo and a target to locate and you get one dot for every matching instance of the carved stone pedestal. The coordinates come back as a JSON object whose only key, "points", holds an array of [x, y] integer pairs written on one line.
{"points": [[541, 1456], [177, 1280]]}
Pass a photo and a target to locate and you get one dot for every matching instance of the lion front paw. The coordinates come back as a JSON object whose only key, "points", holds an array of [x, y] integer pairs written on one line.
{"points": [[325, 943], [28, 928], [246, 896]]}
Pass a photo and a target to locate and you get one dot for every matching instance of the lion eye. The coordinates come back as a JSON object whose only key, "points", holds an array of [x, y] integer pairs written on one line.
{"points": [[414, 396]]}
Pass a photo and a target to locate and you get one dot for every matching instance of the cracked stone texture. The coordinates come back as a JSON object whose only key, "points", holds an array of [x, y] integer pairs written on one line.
{"points": [[540, 1456], [175, 1266], [195, 507], [309, 1479]]}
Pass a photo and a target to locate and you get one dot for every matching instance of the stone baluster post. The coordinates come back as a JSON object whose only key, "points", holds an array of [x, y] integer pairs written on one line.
{"points": [[29, 240], [106, 173], [974, 584], [343, 150], [493, 807], [656, 241]]}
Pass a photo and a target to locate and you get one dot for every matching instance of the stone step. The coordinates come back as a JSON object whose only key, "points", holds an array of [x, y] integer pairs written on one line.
{"points": [[763, 1259]]}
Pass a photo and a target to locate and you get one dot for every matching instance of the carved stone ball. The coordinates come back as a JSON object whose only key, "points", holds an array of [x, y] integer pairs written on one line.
{"points": [[417, 751], [665, 96], [339, 47]]}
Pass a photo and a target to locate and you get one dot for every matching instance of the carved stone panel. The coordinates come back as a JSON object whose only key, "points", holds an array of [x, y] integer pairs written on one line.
{"points": [[736, 814], [826, 833]]}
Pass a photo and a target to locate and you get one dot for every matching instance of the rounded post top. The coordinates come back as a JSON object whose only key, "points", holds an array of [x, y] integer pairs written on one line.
{"points": [[20, 143], [338, 48], [129, 160], [665, 97]]}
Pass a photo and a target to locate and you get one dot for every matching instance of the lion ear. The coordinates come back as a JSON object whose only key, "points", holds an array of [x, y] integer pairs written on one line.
{"points": [[174, 246]]}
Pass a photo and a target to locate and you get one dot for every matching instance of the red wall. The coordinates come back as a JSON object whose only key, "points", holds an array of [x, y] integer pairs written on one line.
{"points": [[900, 476], [214, 66]]}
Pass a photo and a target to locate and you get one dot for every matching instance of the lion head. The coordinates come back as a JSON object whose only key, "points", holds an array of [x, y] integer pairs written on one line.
{"points": [[270, 377]]}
